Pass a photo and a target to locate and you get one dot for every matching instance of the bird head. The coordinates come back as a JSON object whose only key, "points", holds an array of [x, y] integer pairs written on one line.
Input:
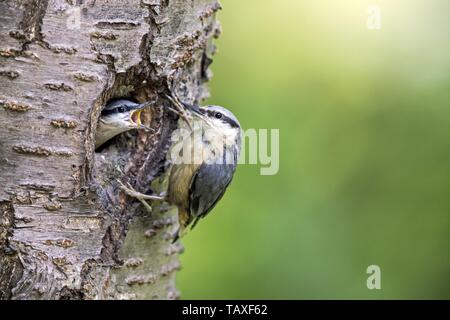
{"points": [[219, 117], [221, 129], [122, 114], [118, 116]]}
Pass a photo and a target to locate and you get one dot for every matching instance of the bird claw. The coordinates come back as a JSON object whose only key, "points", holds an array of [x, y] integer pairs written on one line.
{"points": [[139, 196]]}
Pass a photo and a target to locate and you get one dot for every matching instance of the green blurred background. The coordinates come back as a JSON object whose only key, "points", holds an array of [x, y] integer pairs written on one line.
{"points": [[364, 119]]}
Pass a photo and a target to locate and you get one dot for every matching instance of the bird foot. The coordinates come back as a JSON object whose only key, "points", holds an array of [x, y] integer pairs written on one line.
{"points": [[139, 196]]}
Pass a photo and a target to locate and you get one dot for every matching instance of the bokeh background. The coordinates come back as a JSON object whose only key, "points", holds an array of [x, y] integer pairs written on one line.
{"points": [[364, 119]]}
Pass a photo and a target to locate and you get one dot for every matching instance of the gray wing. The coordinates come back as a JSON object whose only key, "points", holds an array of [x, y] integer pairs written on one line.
{"points": [[208, 187]]}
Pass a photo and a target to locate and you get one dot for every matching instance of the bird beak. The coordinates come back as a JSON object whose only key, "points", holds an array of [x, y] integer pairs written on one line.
{"points": [[195, 110], [135, 117], [199, 112]]}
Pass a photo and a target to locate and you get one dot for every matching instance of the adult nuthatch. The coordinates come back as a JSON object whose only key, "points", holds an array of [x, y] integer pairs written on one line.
{"points": [[204, 162], [204, 156]]}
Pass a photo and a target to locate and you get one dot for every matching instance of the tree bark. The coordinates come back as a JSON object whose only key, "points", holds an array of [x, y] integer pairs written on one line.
{"points": [[66, 230]]}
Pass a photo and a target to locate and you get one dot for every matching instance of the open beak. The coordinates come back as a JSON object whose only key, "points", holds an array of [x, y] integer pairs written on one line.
{"points": [[135, 117]]}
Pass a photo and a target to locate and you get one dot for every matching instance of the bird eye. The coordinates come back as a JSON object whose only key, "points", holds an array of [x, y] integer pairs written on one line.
{"points": [[121, 109], [218, 115]]}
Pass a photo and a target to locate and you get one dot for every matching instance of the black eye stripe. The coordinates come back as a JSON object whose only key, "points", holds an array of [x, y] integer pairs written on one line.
{"points": [[231, 122], [116, 110], [223, 118]]}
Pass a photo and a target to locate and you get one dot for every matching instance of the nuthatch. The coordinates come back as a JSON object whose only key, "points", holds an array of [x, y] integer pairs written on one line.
{"points": [[116, 117], [204, 156], [122, 115], [204, 164]]}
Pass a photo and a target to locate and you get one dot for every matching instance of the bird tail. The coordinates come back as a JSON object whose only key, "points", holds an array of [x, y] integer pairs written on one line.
{"points": [[183, 222], [176, 236]]}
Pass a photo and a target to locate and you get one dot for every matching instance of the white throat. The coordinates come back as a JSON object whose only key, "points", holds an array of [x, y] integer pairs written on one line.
{"points": [[106, 131]]}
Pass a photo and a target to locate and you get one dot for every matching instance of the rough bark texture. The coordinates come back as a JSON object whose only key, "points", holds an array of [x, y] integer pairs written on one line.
{"points": [[66, 231]]}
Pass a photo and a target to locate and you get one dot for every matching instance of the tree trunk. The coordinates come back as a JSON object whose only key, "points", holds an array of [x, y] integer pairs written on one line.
{"points": [[66, 230]]}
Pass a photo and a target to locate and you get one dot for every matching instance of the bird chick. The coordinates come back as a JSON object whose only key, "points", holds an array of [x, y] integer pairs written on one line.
{"points": [[117, 117]]}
